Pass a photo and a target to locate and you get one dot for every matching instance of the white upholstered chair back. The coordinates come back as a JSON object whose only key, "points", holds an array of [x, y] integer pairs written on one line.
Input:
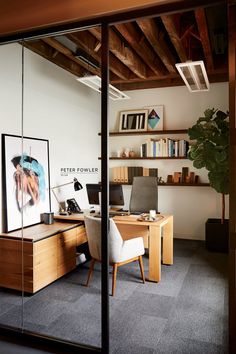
{"points": [[115, 242]]}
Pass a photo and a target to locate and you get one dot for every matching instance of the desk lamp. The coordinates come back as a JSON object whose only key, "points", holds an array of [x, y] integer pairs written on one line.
{"points": [[77, 187]]}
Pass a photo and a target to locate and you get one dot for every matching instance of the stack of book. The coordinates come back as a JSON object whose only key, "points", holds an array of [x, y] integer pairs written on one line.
{"points": [[125, 174], [164, 148]]}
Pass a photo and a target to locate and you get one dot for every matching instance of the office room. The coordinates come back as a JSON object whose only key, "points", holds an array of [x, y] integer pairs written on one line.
{"points": [[45, 258]]}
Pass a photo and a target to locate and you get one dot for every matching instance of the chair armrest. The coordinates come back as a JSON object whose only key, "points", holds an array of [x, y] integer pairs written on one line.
{"points": [[132, 248]]}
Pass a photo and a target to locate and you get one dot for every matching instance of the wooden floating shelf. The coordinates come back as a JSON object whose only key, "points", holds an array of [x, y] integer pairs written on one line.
{"points": [[150, 132], [171, 184], [148, 158]]}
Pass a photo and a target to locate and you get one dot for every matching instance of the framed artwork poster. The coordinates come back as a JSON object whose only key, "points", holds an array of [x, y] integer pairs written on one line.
{"points": [[26, 183], [155, 118], [133, 120]]}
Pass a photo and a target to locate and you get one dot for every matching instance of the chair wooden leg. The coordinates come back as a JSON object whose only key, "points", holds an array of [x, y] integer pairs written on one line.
{"points": [[90, 271], [114, 278], [140, 259]]}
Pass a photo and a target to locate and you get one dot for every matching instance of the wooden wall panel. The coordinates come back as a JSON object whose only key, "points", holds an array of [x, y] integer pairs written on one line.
{"points": [[26, 14], [232, 199]]}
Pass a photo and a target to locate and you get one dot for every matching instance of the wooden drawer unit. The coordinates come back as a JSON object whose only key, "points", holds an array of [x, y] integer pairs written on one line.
{"points": [[81, 236], [66, 252], [12, 252], [44, 260]]}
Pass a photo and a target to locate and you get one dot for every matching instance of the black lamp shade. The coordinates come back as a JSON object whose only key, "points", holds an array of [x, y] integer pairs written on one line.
{"points": [[77, 185]]}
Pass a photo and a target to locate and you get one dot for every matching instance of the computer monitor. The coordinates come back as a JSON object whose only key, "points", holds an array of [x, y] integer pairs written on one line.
{"points": [[116, 197]]}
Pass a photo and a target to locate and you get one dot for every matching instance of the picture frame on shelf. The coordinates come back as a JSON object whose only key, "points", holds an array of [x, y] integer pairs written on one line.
{"points": [[133, 120], [26, 180], [155, 118]]}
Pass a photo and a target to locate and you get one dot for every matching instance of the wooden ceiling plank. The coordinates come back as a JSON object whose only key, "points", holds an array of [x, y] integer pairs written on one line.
{"points": [[47, 52], [204, 35], [123, 53], [89, 43], [141, 46], [156, 39], [174, 37], [68, 53]]}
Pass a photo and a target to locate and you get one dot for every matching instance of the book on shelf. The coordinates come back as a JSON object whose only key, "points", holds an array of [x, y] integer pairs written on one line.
{"points": [[153, 172], [125, 174], [184, 174], [164, 147]]}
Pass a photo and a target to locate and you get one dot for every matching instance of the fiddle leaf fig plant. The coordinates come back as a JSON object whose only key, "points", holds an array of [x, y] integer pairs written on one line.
{"points": [[210, 149]]}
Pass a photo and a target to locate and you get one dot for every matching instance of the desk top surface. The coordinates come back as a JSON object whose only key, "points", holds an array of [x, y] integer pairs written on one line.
{"points": [[40, 231], [126, 219]]}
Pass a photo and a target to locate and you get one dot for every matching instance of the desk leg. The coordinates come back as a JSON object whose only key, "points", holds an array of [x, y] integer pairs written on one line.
{"points": [[168, 242], [154, 253]]}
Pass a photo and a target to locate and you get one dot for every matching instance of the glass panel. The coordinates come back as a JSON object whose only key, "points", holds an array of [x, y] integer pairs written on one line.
{"points": [[61, 149], [11, 218]]}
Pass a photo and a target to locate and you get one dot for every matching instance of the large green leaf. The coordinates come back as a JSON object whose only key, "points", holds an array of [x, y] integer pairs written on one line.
{"points": [[211, 147]]}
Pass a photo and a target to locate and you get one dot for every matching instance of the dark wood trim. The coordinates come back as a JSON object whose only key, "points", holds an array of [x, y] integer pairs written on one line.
{"points": [[232, 198], [105, 187], [171, 184], [148, 158], [150, 132], [67, 25]]}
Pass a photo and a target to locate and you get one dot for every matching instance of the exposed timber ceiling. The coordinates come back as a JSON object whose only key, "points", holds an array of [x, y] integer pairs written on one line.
{"points": [[143, 53]]}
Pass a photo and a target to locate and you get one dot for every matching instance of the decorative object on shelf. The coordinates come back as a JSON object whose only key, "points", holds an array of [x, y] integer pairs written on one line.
{"points": [[211, 150], [155, 117], [26, 180], [77, 186], [119, 153], [127, 151], [183, 177], [160, 180], [132, 153], [133, 120]]}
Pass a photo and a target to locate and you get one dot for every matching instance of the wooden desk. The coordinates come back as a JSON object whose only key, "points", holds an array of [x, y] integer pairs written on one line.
{"points": [[45, 252], [129, 226]]}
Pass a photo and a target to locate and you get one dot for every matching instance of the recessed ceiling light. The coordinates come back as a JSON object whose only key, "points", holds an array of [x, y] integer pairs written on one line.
{"points": [[94, 82], [194, 75]]}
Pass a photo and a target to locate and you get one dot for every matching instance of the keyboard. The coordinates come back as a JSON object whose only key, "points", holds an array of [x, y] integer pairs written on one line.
{"points": [[112, 214]]}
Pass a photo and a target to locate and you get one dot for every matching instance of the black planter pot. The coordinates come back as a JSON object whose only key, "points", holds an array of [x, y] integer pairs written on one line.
{"points": [[217, 235]]}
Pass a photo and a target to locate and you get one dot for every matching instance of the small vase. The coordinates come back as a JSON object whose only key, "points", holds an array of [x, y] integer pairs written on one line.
{"points": [[131, 153]]}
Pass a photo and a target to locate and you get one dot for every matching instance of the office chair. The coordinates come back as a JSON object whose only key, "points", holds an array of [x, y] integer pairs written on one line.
{"points": [[144, 195], [120, 252]]}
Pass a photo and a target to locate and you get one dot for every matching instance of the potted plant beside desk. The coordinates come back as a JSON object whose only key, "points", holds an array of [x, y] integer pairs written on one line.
{"points": [[211, 150]]}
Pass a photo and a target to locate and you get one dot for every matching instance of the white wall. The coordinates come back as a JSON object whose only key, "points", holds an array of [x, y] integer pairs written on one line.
{"points": [[57, 108], [191, 206]]}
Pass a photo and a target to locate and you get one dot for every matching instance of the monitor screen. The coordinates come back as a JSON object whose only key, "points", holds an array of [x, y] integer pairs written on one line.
{"points": [[116, 196]]}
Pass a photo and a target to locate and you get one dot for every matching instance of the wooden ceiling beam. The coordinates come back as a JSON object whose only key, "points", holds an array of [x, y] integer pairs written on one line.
{"points": [[157, 40], [174, 37], [123, 53], [68, 53], [204, 35], [141, 46], [55, 56], [168, 81], [89, 43]]}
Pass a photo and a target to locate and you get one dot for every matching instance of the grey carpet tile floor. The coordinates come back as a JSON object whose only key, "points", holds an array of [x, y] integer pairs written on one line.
{"points": [[185, 313]]}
